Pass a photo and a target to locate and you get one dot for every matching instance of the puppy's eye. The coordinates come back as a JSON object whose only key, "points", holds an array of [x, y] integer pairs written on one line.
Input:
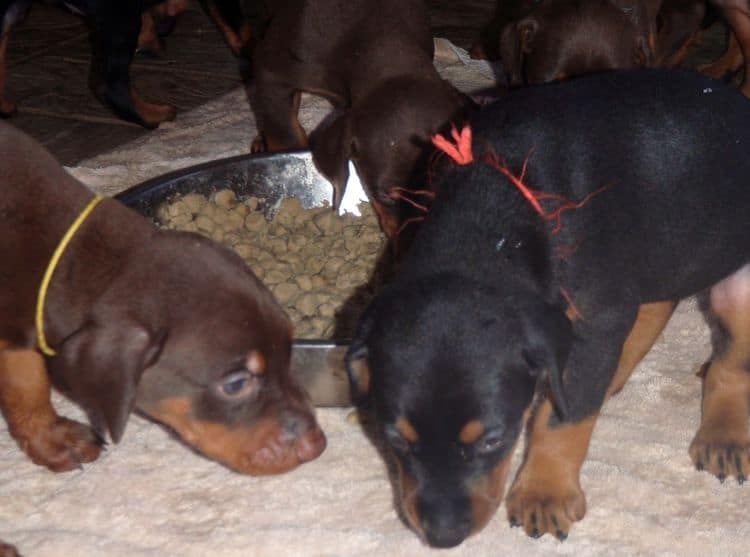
{"points": [[238, 385], [490, 443]]}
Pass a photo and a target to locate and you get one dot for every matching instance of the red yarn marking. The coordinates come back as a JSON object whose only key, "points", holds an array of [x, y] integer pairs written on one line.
{"points": [[398, 192], [534, 197], [460, 149], [406, 223]]}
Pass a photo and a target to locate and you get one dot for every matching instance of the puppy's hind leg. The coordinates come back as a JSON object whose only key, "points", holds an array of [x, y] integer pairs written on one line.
{"points": [[48, 439], [722, 443], [276, 105]]}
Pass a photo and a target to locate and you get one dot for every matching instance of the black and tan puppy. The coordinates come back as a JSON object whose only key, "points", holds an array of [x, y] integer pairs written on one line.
{"points": [[117, 29], [588, 208], [374, 60], [164, 322]]}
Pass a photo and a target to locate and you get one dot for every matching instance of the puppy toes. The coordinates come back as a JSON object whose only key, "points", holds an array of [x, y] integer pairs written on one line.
{"points": [[722, 458], [258, 145], [63, 446], [541, 512]]}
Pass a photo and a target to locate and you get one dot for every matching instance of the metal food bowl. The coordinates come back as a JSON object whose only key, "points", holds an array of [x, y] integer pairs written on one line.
{"points": [[318, 364], [272, 177]]}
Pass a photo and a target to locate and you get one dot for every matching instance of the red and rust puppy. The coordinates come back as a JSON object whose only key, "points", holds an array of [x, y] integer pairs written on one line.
{"points": [[564, 38], [586, 210], [135, 317], [374, 60]]}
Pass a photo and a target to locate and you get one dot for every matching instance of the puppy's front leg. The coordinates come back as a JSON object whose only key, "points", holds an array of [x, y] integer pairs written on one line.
{"points": [[546, 496], [49, 440], [7, 108]]}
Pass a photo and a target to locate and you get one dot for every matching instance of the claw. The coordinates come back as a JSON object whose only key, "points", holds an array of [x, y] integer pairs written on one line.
{"points": [[513, 522], [741, 479], [535, 533], [560, 535]]}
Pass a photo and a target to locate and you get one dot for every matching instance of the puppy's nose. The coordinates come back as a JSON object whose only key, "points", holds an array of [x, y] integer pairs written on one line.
{"points": [[301, 429], [444, 523], [295, 423]]}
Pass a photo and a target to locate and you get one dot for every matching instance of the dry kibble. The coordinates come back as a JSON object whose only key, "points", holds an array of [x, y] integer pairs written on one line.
{"points": [[314, 265], [275, 276], [225, 199], [332, 267], [285, 292], [178, 208], [312, 260], [318, 281], [233, 219], [327, 310], [307, 304], [204, 224], [304, 282], [194, 202], [232, 238], [255, 222], [288, 212]]}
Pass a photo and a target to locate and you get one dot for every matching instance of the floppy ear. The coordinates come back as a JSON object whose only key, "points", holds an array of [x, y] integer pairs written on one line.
{"points": [[358, 370], [101, 365], [526, 29], [515, 43], [642, 52], [548, 335], [331, 150], [357, 364]]}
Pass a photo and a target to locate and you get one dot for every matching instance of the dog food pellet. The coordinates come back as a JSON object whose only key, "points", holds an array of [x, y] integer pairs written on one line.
{"points": [[318, 265]]}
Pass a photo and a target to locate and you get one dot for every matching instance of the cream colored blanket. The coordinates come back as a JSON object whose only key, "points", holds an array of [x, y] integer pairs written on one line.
{"points": [[150, 496]]}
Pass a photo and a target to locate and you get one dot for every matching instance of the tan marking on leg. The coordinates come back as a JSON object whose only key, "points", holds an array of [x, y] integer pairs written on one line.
{"points": [[546, 496], [6, 108], [148, 40], [48, 439], [651, 320], [722, 443], [471, 432], [152, 114]]}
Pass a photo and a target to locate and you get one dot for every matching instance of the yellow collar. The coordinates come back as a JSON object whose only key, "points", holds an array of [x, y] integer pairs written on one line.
{"points": [[41, 340]]}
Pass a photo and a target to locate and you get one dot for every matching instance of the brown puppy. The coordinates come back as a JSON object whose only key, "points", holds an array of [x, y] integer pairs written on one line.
{"points": [[374, 59], [562, 38], [138, 318]]}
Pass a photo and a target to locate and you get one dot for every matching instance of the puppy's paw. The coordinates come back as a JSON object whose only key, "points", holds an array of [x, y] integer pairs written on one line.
{"points": [[63, 446], [258, 145], [546, 507], [721, 454]]}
